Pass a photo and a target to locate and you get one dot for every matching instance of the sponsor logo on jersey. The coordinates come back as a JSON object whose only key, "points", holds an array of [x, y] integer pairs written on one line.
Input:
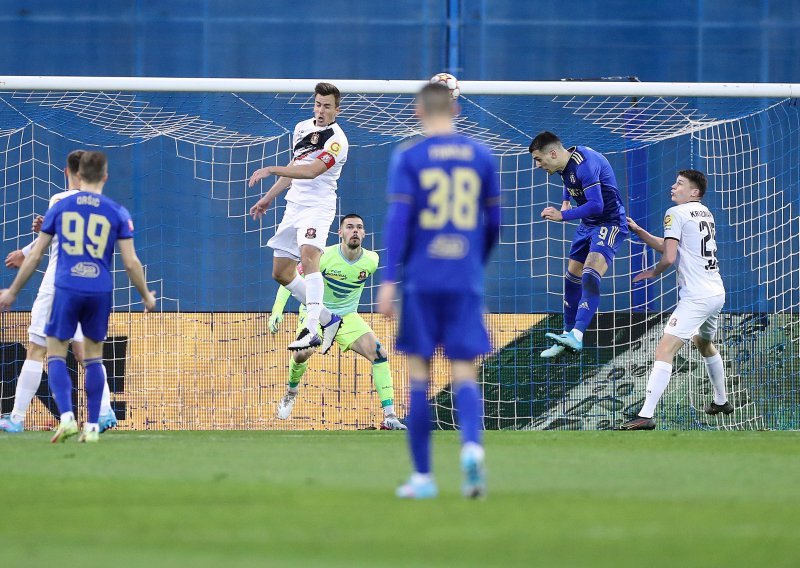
{"points": [[673, 322], [668, 222], [583, 305], [448, 246], [335, 148], [311, 233], [85, 270]]}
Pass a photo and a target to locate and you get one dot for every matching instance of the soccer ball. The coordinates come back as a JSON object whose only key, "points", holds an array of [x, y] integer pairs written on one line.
{"points": [[448, 81]]}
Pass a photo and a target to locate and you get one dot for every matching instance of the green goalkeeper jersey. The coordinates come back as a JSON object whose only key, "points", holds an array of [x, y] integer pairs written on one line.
{"points": [[344, 280]]}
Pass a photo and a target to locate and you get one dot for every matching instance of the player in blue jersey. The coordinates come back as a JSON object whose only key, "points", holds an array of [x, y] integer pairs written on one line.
{"points": [[87, 225], [443, 220], [590, 181]]}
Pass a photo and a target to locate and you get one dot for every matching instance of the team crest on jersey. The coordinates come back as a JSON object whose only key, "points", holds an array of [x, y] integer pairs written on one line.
{"points": [[311, 233], [314, 138], [362, 275], [673, 322], [668, 222], [572, 178]]}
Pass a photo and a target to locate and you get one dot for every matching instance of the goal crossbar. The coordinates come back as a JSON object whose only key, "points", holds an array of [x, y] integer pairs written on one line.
{"points": [[369, 86]]}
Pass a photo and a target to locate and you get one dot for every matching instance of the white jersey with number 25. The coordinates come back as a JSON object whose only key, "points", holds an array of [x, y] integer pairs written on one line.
{"points": [[692, 225]]}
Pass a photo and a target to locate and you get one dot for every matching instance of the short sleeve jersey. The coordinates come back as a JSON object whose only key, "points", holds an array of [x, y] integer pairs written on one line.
{"points": [[692, 225], [328, 144], [587, 168], [87, 226], [345, 279]]}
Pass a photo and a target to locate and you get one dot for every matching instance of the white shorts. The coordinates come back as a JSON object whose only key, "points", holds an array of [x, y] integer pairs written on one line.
{"points": [[698, 316], [40, 313], [301, 225]]}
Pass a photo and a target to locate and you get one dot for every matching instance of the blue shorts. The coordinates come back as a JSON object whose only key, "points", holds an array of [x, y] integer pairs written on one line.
{"points": [[605, 239], [70, 308], [453, 320]]}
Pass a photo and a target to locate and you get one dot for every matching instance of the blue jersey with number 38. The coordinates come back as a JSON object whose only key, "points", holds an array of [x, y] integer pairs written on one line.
{"points": [[88, 225], [451, 184]]}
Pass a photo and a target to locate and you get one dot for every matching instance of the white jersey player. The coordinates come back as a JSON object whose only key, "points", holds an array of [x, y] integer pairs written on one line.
{"points": [[319, 153], [690, 243], [31, 374]]}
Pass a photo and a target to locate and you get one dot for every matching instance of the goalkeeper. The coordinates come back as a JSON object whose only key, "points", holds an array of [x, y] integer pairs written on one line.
{"points": [[345, 268]]}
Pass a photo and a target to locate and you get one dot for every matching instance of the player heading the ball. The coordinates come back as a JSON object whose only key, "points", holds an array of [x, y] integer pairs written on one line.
{"points": [[319, 151], [443, 220], [689, 235], [590, 181], [87, 224]]}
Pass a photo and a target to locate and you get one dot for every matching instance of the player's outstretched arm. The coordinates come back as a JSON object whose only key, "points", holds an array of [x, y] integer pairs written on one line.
{"points": [[28, 267], [257, 211], [133, 267], [668, 258], [655, 243]]}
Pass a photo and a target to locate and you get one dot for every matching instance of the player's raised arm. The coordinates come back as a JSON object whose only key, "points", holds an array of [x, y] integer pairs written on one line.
{"points": [[282, 184], [133, 266], [654, 242]]}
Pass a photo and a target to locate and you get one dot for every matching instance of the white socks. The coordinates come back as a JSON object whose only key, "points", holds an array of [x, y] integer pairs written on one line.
{"points": [[315, 289], [656, 385], [30, 377], [303, 291], [298, 289], [716, 373]]}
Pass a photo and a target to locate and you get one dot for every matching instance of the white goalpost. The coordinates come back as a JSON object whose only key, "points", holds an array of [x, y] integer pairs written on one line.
{"points": [[180, 152]]}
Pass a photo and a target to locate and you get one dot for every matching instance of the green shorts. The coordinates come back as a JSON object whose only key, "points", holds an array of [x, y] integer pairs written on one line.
{"points": [[353, 326]]}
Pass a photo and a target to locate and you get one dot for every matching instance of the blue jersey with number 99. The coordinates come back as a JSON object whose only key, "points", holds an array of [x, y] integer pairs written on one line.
{"points": [[88, 225]]}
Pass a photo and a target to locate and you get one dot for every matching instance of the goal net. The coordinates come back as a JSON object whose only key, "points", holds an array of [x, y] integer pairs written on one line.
{"points": [[179, 162]]}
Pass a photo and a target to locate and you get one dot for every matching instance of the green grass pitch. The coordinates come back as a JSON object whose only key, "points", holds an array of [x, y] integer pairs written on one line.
{"points": [[562, 499]]}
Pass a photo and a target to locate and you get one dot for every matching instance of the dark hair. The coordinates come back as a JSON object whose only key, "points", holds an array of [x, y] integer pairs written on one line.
{"points": [[697, 178], [92, 167], [326, 89], [542, 141], [350, 216], [436, 99], [74, 161]]}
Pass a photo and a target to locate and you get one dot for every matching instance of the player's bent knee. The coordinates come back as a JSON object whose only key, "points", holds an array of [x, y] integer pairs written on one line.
{"points": [[596, 262], [36, 352]]}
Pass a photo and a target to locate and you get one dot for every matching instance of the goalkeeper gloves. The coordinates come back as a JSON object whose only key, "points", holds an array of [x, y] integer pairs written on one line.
{"points": [[275, 322]]}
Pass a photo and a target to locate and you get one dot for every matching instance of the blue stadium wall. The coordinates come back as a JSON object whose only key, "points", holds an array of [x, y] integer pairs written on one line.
{"points": [[497, 39]]}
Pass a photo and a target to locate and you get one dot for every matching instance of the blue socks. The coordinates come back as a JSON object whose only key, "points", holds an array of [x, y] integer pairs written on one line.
{"points": [[419, 426], [572, 296], [94, 388], [468, 407], [60, 383], [589, 300]]}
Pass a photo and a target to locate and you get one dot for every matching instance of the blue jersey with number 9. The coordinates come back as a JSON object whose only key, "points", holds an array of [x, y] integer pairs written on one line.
{"points": [[88, 225]]}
